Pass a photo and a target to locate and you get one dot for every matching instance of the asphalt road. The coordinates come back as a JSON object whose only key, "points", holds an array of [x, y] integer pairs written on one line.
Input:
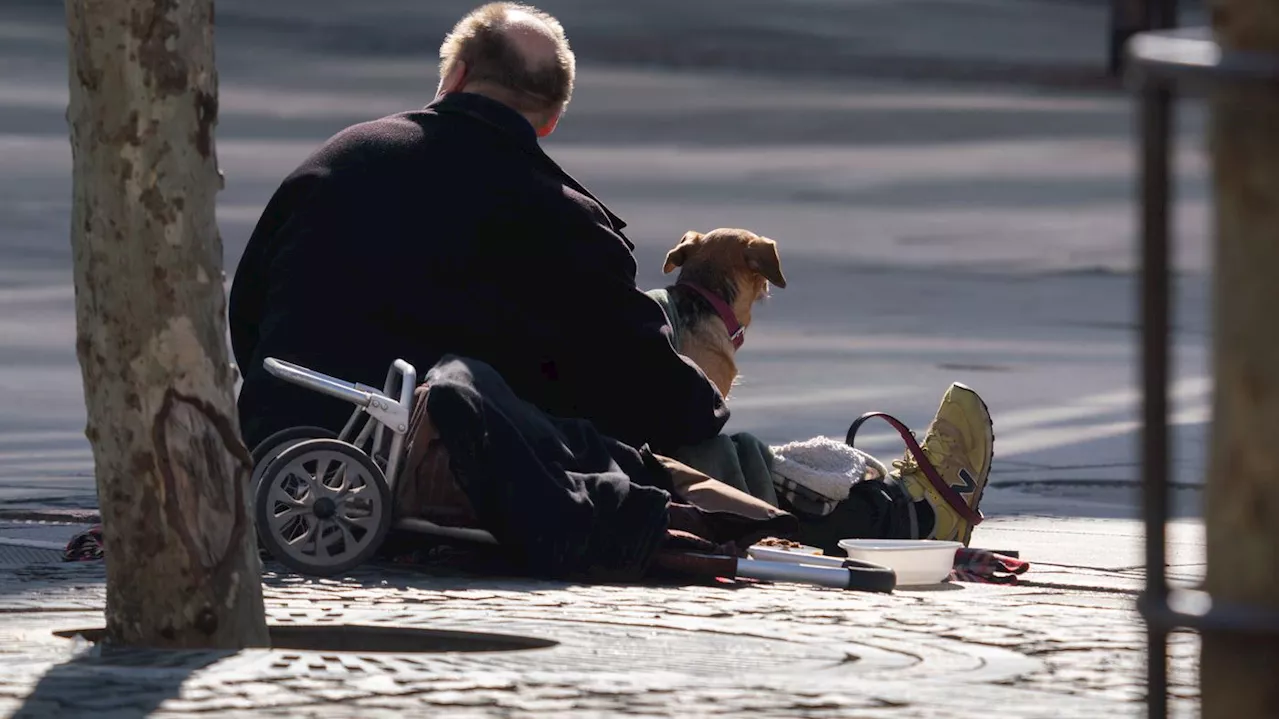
{"points": [[935, 223]]}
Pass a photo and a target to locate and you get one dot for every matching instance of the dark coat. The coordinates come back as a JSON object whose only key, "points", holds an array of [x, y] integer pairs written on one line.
{"points": [[560, 498], [449, 231]]}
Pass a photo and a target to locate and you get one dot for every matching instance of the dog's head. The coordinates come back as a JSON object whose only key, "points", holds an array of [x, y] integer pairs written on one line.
{"points": [[742, 259]]}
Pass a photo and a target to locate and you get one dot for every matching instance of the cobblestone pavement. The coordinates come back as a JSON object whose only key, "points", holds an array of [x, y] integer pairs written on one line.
{"points": [[767, 650]]}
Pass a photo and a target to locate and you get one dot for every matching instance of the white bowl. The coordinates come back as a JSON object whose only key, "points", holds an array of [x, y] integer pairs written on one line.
{"points": [[916, 561]]}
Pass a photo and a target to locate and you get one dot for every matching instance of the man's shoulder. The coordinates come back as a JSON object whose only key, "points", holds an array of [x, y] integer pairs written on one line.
{"points": [[402, 130], [417, 146], [446, 141]]}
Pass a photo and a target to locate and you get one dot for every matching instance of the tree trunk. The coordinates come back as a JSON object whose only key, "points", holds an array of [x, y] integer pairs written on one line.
{"points": [[1238, 674], [172, 471]]}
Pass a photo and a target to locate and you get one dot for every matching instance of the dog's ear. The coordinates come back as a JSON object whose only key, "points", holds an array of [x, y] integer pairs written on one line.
{"points": [[762, 258], [681, 252]]}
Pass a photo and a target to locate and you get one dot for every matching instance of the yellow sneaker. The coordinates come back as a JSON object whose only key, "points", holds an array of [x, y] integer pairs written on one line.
{"points": [[959, 445], [949, 471]]}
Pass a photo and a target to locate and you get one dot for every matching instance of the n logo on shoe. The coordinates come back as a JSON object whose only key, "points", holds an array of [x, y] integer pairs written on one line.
{"points": [[970, 485]]}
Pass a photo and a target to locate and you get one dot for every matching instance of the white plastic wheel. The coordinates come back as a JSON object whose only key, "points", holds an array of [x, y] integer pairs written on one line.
{"points": [[271, 447], [322, 507]]}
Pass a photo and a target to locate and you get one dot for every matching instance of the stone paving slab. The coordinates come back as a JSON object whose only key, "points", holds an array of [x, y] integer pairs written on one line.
{"points": [[1090, 552], [767, 650]]}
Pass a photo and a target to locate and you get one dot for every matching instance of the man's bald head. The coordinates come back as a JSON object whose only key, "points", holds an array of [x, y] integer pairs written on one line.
{"points": [[516, 50]]}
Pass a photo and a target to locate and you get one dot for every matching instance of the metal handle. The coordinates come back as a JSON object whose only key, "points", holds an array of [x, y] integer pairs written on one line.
{"points": [[402, 380], [861, 575], [837, 577], [317, 381]]}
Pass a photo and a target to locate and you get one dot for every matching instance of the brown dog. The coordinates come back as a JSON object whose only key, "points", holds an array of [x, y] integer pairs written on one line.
{"points": [[722, 274]]}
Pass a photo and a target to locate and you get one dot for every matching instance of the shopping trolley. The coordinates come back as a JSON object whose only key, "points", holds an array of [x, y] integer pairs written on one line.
{"points": [[323, 502]]}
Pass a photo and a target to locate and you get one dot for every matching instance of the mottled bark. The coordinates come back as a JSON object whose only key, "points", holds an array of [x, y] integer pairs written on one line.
{"points": [[172, 472], [1238, 674]]}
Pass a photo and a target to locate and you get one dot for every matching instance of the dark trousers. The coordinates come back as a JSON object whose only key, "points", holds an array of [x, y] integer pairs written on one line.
{"points": [[874, 509]]}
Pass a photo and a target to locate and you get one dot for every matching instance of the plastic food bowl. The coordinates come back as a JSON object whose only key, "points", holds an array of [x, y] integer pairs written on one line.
{"points": [[916, 561]]}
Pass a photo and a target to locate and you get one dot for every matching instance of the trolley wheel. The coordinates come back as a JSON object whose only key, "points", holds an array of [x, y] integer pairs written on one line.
{"points": [[271, 447], [322, 507]]}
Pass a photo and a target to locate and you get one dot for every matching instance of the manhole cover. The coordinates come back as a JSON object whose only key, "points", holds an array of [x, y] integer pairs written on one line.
{"points": [[605, 663], [585, 646], [336, 642]]}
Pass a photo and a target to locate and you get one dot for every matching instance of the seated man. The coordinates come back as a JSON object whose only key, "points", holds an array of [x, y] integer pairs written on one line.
{"points": [[448, 231]]}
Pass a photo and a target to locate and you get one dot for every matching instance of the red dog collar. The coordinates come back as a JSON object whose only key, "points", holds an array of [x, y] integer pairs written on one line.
{"points": [[737, 333]]}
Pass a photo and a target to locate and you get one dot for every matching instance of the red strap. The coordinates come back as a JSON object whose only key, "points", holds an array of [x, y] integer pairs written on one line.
{"points": [[737, 333], [952, 497]]}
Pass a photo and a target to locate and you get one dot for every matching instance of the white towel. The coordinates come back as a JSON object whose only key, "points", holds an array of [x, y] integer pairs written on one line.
{"points": [[822, 465]]}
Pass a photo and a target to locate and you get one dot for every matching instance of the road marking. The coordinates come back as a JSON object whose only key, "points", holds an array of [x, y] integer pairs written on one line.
{"points": [[811, 398]]}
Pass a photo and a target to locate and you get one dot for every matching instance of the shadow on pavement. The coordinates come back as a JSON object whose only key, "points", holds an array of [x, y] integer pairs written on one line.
{"points": [[93, 683]]}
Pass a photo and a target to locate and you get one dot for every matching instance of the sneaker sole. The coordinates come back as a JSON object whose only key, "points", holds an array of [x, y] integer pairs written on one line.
{"points": [[991, 435]]}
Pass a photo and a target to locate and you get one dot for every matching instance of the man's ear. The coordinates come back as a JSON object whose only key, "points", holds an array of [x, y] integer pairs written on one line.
{"points": [[550, 125], [762, 258], [454, 80], [682, 251]]}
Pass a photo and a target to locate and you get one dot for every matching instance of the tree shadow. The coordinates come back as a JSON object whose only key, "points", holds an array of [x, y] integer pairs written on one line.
{"points": [[117, 681], [407, 559]]}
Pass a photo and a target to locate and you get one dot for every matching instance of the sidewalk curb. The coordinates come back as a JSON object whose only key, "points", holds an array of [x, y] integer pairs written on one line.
{"points": [[50, 514]]}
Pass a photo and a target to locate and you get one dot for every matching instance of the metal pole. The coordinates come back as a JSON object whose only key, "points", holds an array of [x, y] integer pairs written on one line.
{"points": [[1124, 19], [1162, 14], [1160, 63], [1155, 303], [1155, 117], [1129, 17]]}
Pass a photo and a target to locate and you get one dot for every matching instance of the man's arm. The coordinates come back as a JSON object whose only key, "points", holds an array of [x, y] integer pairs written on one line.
{"points": [[618, 352]]}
